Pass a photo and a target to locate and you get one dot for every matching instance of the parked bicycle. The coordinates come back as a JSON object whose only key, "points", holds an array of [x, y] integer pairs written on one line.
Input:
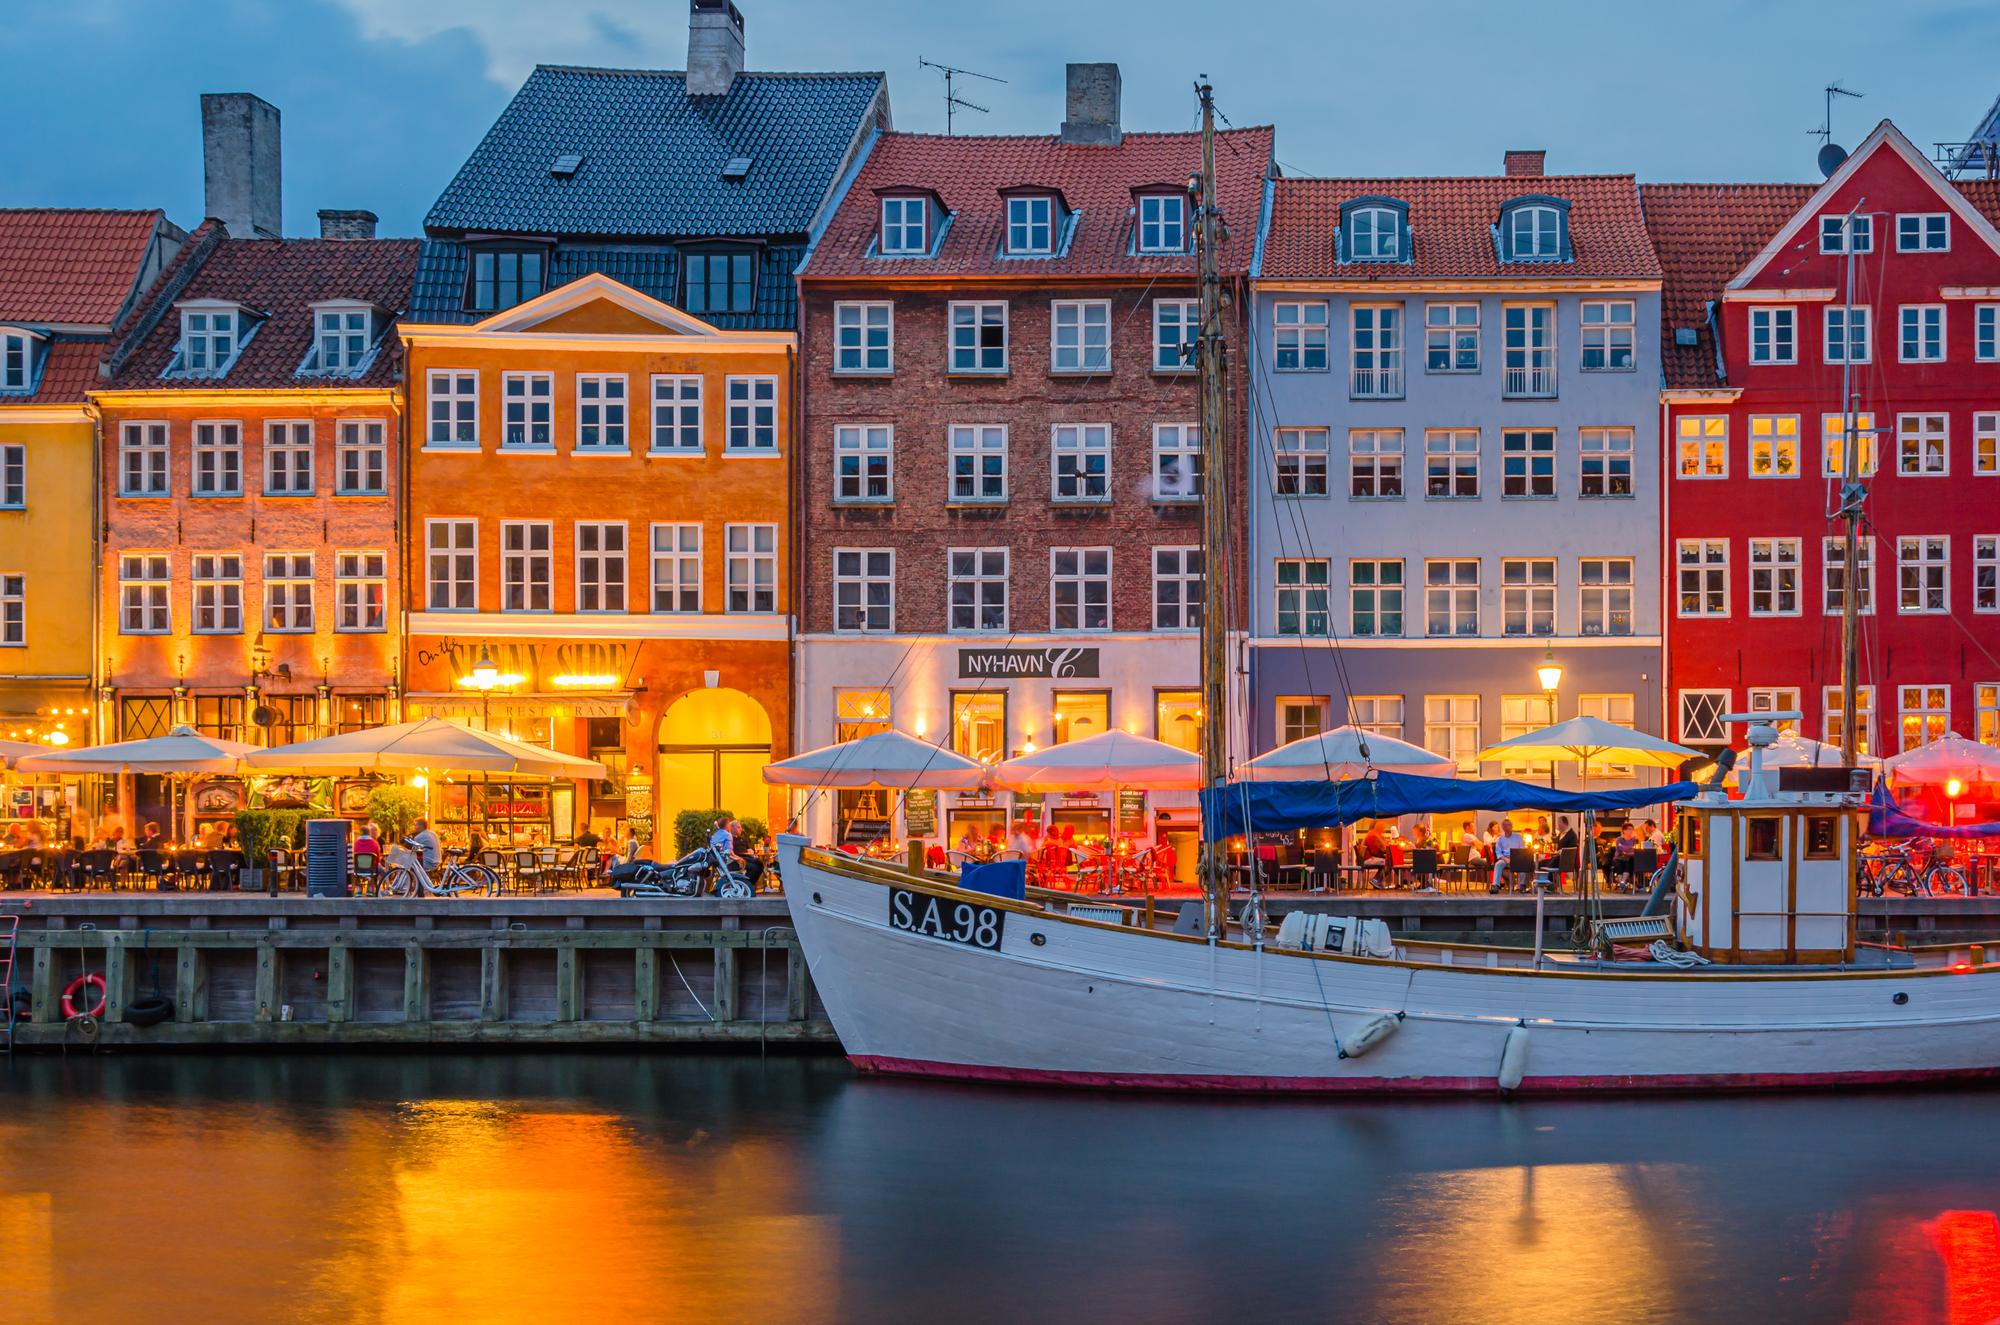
{"points": [[409, 878], [1916, 868]]}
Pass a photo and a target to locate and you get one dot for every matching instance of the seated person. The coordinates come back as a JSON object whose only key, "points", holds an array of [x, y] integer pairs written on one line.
{"points": [[935, 857], [1622, 848], [1505, 844], [1375, 851]]}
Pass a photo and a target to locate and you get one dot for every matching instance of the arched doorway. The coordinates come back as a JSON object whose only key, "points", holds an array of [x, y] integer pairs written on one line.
{"points": [[713, 748]]}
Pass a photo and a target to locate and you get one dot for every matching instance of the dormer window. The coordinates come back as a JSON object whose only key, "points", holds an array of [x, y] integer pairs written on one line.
{"points": [[905, 227], [211, 336], [1162, 223], [1535, 230], [343, 335], [1031, 225], [17, 358], [721, 280], [1374, 230], [503, 277]]}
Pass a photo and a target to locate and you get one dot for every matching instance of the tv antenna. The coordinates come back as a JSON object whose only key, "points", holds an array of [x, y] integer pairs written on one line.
{"points": [[1825, 131], [952, 101]]}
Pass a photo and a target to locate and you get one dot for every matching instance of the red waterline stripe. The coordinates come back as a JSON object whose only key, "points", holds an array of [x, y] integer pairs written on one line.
{"points": [[1258, 1085]]}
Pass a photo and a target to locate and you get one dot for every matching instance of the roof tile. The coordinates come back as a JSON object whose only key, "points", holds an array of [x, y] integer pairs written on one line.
{"points": [[70, 265], [1705, 234]]}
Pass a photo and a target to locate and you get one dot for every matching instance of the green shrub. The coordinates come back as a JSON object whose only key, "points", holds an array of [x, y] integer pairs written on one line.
{"points": [[693, 828], [395, 811], [261, 831]]}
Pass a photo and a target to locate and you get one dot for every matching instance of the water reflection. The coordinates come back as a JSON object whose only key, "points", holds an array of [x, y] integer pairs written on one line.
{"points": [[554, 1188]]}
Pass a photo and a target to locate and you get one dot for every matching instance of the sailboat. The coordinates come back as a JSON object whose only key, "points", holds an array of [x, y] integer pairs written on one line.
{"points": [[1744, 972]]}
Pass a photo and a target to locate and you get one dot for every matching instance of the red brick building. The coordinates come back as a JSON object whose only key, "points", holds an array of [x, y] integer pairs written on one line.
{"points": [[999, 508], [1759, 318]]}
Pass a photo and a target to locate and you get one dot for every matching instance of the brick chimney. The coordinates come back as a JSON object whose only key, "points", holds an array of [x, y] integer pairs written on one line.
{"points": [[240, 164], [1525, 161], [715, 47], [1091, 117], [338, 224]]}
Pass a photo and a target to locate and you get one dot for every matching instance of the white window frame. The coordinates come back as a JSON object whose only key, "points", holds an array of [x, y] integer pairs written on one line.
{"points": [[1717, 700], [1295, 581], [462, 564], [1777, 574], [1535, 222], [361, 592], [1183, 317], [528, 410], [1917, 238], [857, 569], [1183, 571], [603, 414], [975, 570], [1446, 333], [1451, 728], [1605, 447], [974, 317], [215, 595], [1031, 218], [1528, 349], [1386, 598], [211, 338], [1538, 448], [864, 464], [145, 593], [1374, 234], [1923, 444], [1775, 699], [1375, 461], [451, 409], [603, 579], [1608, 335], [1177, 462], [1169, 213], [1299, 342], [1602, 597], [752, 404], [144, 441], [1071, 568], [288, 458], [1769, 435], [1382, 325], [970, 444], [1933, 718], [1704, 438], [674, 559], [855, 351], [17, 359], [1986, 333], [342, 336], [1864, 716], [527, 566], [1451, 462], [1301, 459], [218, 448], [13, 610], [1708, 573], [1080, 453], [1774, 333], [1928, 318], [13, 477], [1832, 552], [1833, 434], [906, 226], [1986, 442], [1986, 574], [361, 451], [1838, 232], [290, 606], [1074, 328], [1856, 331], [676, 415], [1932, 563], [1529, 587], [1446, 582], [750, 568]]}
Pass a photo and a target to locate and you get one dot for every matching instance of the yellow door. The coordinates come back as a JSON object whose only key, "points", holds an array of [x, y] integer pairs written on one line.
{"points": [[713, 748]]}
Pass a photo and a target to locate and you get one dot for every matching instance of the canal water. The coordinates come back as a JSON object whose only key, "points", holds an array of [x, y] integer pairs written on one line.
{"points": [[722, 1189]]}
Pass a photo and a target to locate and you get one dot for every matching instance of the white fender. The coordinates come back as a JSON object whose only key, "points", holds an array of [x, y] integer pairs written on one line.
{"points": [[1373, 1034], [1514, 1058]]}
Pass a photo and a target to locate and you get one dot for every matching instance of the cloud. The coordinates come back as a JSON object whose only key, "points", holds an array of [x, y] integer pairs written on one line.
{"points": [[517, 35]]}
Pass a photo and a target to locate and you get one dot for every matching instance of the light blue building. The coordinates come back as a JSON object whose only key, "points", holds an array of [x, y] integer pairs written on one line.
{"points": [[1454, 474]]}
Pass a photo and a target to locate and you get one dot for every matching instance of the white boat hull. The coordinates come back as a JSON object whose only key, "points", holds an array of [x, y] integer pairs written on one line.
{"points": [[1068, 1001]]}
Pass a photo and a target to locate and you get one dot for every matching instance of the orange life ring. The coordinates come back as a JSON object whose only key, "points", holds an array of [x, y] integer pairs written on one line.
{"points": [[69, 1007]]}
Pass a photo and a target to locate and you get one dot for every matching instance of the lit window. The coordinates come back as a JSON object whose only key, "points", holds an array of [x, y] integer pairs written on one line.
{"points": [[1451, 728], [454, 408], [978, 462], [676, 415], [1080, 336], [1605, 595], [1451, 597], [1986, 442], [753, 416], [1451, 338], [1527, 596], [288, 458], [527, 411], [1922, 338], [1178, 588], [1608, 331], [1031, 226], [217, 593], [864, 462], [361, 455], [600, 412], [1301, 461], [1528, 462], [1176, 462], [1925, 713], [1177, 719], [1375, 599], [1923, 232], [288, 593], [751, 567], [977, 588], [361, 591], [1378, 715], [1774, 335], [677, 568], [1701, 446], [1604, 462], [1176, 325], [1162, 223], [979, 338], [1375, 463], [1774, 577], [1923, 575], [1304, 597], [1299, 337], [601, 576], [1832, 431], [1774, 446], [1081, 462], [1832, 725], [218, 459], [1775, 699], [905, 226], [864, 590], [863, 337], [1451, 463], [1703, 576]]}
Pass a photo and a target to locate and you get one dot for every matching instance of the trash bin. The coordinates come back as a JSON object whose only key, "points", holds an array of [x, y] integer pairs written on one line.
{"points": [[326, 858]]}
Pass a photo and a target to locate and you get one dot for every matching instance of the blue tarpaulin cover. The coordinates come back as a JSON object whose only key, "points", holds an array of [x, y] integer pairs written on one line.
{"points": [[1887, 818], [1271, 807], [1002, 878]]}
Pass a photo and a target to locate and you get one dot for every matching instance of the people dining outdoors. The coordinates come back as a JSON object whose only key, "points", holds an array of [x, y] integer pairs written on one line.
{"points": [[1505, 843], [1375, 853], [1622, 848]]}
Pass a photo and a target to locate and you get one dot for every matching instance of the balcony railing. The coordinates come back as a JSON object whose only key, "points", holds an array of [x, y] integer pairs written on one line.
{"points": [[1376, 383], [1531, 382]]}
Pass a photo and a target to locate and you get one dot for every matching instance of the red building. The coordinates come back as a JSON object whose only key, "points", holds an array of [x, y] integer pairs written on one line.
{"points": [[1764, 313]]}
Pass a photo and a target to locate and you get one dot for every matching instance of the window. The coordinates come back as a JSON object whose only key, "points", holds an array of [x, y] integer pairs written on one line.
{"points": [[1834, 578], [1843, 234], [1604, 596], [1923, 232], [1923, 575], [1703, 568], [1178, 588], [1528, 348], [1775, 699], [527, 567], [1925, 713], [1774, 577], [1847, 334], [288, 593], [1031, 226], [1528, 462], [1833, 431], [1374, 234], [677, 415], [454, 408], [1519, 715], [1375, 462], [1177, 719], [600, 566], [1081, 462], [751, 567], [1921, 447], [361, 591], [1375, 599], [1986, 333], [1378, 715], [1986, 714], [143, 582], [1832, 724], [1176, 324], [13, 611], [208, 341], [1774, 446], [905, 226], [1534, 233], [1176, 462], [864, 589], [1079, 713], [1451, 338], [361, 454], [1701, 446], [753, 416], [1774, 334], [978, 588], [979, 724], [218, 593], [1080, 335], [218, 460], [1527, 596], [142, 460], [1302, 588], [1701, 717], [1608, 328], [600, 412], [1986, 573], [978, 462], [1162, 223], [978, 338], [863, 460], [343, 337], [220, 716], [1377, 352], [1451, 462], [502, 278], [13, 477], [677, 568], [1986, 443], [1451, 728], [288, 459], [1299, 337], [527, 402], [1604, 457], [452, 550], [1922, 338], [721, 281], [1080, 588], [863, 338], [1299, 718], [1451, 597], [16, 361], [1617, 710], [1301, 461]]}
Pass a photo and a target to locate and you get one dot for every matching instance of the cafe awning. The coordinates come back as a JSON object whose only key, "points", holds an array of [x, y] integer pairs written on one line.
{"points": [[1105, 762], [890, 760], [431, 744], [1344, 752], [182, 750]]}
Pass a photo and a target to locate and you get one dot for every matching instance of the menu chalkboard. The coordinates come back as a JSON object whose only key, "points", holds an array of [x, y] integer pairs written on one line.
{"points": [[920, 813], [1131, 811]]}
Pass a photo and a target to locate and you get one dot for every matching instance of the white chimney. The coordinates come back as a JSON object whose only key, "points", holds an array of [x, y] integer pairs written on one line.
{"points": [[240, 164], [1091, 110], [715, 47]]}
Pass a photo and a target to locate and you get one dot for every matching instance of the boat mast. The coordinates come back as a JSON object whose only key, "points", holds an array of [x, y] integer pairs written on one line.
{"points": [[1851, 495], [1210, 358]]}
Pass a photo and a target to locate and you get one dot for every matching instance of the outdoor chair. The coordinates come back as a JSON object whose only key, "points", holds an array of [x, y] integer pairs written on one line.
{"points": [[1424, 866], [1325, 870], [225, 871], [1520, 868], [97, 868], [1645, 864], [367, 873], [569, 870], [527, 871], [154, 868]]}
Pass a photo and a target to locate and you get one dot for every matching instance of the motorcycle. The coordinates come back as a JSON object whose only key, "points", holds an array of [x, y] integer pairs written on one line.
{"points": [[700, 872]]}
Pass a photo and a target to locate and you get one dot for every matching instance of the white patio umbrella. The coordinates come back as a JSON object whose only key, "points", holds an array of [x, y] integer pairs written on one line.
{"points": [[1345, 752], [13, 752], [1792, 750], [435, 744], [1949, 757], [1587, 739], [182, 750], [890, 760], [1104, 762]]}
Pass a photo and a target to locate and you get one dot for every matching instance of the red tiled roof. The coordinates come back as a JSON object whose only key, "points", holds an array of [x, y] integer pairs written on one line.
{"points": [[279, 279], [68, 375], [968, 173], [70, 265], [1451, 227], [1705, 234]]}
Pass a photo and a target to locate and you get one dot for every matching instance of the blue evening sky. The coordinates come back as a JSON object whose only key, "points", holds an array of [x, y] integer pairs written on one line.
{"points": [[382, 99]]}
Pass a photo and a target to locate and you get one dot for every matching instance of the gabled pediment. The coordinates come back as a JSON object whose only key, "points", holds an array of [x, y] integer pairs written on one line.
{"points": [[600, 306]]}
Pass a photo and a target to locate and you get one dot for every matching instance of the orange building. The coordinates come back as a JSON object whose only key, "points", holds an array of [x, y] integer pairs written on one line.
{"points": [[598, 488]]}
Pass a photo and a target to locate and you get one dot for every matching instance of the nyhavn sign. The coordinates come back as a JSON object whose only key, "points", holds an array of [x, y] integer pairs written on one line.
{"points": [[1058, 664]]}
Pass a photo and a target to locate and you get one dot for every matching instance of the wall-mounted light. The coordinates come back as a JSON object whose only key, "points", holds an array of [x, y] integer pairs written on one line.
{"points": [[584, 680]]}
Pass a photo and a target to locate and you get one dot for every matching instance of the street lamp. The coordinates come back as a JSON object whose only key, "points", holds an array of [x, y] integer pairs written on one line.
{"points": [[1550, 674]]}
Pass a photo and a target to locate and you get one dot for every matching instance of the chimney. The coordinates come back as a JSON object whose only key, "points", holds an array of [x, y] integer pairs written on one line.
{"points": [[338, 224], [1525, 161], [715, 47], [1092, 108], [240, 164]]}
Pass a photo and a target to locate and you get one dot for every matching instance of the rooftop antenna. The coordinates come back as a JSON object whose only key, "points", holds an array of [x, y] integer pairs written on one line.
{"points": [[952, 101], [1831, 154]]}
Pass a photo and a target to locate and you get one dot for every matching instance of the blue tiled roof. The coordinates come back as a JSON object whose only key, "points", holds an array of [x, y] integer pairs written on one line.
{"points": [[653, 156], [438, 294]]}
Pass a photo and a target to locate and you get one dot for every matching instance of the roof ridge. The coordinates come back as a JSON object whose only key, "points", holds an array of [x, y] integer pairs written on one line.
{"points": [[1443, 179], [682, 73], [1056, 138], [93, 211]]}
